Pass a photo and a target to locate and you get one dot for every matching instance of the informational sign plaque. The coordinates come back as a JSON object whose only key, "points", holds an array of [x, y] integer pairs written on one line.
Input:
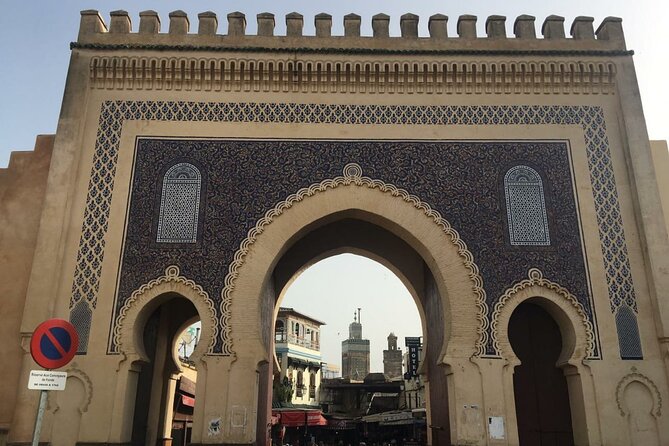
{"points": [[47, 380]]}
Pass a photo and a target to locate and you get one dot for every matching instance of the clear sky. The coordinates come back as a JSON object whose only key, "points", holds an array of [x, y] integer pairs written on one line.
{"points": [[35, 37], [34, 50]]}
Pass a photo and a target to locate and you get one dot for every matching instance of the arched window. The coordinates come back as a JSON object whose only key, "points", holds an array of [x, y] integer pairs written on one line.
{"points": [[526, 207], [179, 205]]}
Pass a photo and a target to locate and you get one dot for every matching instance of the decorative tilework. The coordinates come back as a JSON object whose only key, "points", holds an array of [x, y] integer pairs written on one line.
{"points": [[526, 207], [114, 113], [179, 205], [628, 333]]}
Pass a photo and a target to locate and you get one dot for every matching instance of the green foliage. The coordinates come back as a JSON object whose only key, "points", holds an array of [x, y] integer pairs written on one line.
{"points": [[283, 390]]}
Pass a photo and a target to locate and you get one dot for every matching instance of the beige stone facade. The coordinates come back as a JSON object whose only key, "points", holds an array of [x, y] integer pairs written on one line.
{"points": [[410, 150]]}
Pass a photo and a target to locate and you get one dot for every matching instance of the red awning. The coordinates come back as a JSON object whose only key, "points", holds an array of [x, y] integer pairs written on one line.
{"points": [[294, 418]]}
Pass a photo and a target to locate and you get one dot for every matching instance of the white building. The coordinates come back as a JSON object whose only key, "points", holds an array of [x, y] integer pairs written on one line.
{"points": [[297, 347]]}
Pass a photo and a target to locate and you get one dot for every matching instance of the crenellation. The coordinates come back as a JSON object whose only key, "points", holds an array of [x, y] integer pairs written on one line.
{"points": [[207, 23], [381, 25], [119, 22], [352, 25], [553, 27], [467, 26], [179, 23], [495, 27], [608, 37], [409, 26], [611, 29], [236, 24], [323, 24], [437, 26], [523, 27], [91, 23], [265, 24], [149, 22], [582, 28], [294, 24]]}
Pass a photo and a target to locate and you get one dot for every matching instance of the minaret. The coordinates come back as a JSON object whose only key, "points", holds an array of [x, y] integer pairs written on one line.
{"points": [[355, 351], [392, 359]]}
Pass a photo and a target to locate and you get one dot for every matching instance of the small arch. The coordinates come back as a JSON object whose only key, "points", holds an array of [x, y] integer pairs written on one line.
{"points": [[146, 298], [179, 204], [577, 331], [635, 376], [526, 207]]}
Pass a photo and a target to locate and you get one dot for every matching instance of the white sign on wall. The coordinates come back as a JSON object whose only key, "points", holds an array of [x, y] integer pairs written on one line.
{"points": [[47, 380], [496, 428]]}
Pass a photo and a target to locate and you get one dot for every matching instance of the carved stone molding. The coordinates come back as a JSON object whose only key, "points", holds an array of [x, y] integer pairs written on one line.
{"points": [[634, 375], [285, 74], [536, 278], [88, 389], [353, 176], [157, 286]]}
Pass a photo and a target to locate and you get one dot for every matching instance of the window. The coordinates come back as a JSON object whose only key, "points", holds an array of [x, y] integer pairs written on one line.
{"points": [[312, 385], [179, 205], [299, 388], [526, 207]]}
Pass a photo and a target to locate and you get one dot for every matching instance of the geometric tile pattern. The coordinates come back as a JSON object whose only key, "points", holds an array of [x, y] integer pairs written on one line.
{"points": [[179, 205], [526, 207], [590, 118]]}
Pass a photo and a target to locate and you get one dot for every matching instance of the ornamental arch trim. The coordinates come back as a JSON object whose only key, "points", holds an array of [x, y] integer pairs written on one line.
{"points": [[626, 380], [352, 175], [171, 282], [536, 286]]}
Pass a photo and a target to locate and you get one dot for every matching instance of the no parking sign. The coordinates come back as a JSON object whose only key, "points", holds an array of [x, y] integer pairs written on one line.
{"points": [[54, 343]]}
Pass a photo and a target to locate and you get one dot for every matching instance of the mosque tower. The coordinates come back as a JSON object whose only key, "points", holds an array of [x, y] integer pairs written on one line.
{"points": [[355, 351]]}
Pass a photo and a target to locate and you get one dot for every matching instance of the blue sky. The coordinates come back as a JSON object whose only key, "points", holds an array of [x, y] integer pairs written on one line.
{"points": [[35, 37], [34, 47]]}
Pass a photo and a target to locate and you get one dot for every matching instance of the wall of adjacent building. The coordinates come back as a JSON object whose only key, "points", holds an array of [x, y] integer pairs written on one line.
{"points": [[22, 190]]}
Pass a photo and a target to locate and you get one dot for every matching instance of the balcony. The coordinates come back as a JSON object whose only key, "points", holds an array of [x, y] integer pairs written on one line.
{"points": [[281, 338]]}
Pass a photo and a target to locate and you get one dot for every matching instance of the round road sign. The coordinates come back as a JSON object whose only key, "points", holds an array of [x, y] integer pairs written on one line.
{"points": [[54, 343]]}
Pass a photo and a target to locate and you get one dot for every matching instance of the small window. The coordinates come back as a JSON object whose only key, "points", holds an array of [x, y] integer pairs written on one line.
{"points": [[526, 207], [179, 205]]}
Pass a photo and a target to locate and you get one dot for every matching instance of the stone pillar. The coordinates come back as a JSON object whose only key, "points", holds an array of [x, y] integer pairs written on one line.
{"points": [[323, 23], [409, 26], [352, 25], [265, 24], [91, 23], [381, 25], [294, 24], [612, 29], [120, 22], [208, 23], [553, 27], [467, 26], [523, 27], [582, 28], [149, 22], [437, 26], [495, 27], [236, 24], [179, 23]]}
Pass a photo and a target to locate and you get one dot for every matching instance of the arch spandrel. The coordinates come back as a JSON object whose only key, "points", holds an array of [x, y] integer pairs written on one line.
{"points": [[414, 221], [138, 307]]}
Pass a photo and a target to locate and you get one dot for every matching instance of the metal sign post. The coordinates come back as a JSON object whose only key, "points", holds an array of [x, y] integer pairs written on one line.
{"points": [[54, 343], [40, 415]]}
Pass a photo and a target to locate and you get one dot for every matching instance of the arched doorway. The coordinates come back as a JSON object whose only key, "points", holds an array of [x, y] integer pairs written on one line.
{"points": [[163, 372], [540, 388], [350, 233], [345, 363]]}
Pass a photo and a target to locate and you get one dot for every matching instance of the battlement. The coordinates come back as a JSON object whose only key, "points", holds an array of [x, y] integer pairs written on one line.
{"points": [[94, 32]]}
